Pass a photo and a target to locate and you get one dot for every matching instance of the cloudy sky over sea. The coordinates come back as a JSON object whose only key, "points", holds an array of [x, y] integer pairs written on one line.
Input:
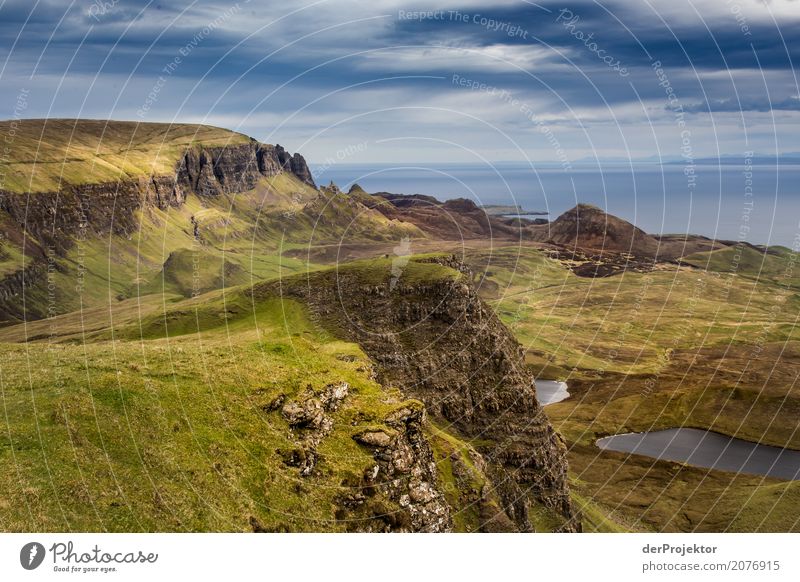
{"points": [[460, 81]]}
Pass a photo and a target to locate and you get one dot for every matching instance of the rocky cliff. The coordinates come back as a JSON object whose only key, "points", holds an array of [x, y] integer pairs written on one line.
{"points": [[430, 335], [44, 226], [214, 171]]}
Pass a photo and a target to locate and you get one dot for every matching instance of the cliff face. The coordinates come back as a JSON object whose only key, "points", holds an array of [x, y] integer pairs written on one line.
{"points": [[47, 224], [404, 473], [438, 342], [213, 171]]}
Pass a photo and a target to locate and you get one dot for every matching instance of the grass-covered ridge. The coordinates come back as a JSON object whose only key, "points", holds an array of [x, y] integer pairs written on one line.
{"points": [[243, 306], [176, 434], [44, 155], [164, 420]]}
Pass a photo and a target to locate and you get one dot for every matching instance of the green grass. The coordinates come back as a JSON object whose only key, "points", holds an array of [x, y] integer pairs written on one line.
{"points": [[46, 154], [145, 411], [416, 270], [172, 434], [195, 271], [627, 323], [594, 518], [161, 422], [462, 482], [774, 265], [645, 351]]}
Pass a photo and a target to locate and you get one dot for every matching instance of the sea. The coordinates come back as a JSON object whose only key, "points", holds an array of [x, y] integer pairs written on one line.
{"points": [[758, 203]]}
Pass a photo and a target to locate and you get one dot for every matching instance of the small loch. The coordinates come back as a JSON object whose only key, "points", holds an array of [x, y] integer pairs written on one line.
{"points": [[551, 391], [709, 450]]}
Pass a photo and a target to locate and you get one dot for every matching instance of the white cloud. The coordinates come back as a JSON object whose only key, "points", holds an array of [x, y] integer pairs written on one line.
{"points": [[465, 57]]}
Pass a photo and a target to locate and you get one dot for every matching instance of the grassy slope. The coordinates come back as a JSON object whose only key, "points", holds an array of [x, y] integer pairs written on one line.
{"points": [[243, 236], [569, 325], [774, 265], [657, 350], [639, 350], [236, 246], [47, 153], [163, 257], [136, 428], [171, 434]]}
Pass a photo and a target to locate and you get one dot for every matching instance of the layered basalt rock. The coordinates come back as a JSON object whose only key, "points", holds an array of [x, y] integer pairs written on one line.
{"points": [[214, 171], [438, 342], [48, 224]]}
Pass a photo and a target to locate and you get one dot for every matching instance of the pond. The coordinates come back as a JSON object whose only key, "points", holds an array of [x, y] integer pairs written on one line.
{"points": [[551, 391], [709, 450]]}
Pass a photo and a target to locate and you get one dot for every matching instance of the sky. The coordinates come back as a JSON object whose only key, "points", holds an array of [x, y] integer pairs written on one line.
{"points": [[461, 81]]}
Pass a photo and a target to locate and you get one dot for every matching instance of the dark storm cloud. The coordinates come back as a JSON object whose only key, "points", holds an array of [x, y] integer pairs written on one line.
{"points": [[634, 36], [157, 32], [555, 55]]}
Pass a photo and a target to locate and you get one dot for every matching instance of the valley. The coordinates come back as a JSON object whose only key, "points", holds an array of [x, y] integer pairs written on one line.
{"points": [[196, 337]]}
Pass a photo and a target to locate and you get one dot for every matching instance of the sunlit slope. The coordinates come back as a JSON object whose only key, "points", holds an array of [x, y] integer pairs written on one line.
{"points": [[165, 419], [45, 155], [712, 348], [98, 212]]}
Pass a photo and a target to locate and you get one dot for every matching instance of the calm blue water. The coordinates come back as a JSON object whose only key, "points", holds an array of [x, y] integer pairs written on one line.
{"points": [[711, 450], [551, 391], [654, 197]]}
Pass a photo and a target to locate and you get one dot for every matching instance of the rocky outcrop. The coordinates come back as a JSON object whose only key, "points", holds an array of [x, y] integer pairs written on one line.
{"points": [[295, 164], [50, 223], [404, 474], [399, 492], [309, 417], [56, 218], [53, 219], [164, 192], [437, 341], [588, 227], [214, 171]]}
